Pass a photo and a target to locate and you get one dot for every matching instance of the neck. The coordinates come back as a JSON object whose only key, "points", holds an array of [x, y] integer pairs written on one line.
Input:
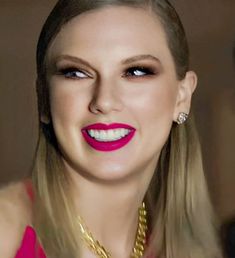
{"points": [[110, 211]]}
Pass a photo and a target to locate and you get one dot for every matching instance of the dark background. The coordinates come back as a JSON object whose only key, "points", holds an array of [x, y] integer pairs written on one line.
{"points": [[210, 27]]}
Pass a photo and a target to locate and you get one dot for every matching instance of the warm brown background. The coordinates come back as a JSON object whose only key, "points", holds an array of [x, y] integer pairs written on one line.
{"points": [[210, 26]]}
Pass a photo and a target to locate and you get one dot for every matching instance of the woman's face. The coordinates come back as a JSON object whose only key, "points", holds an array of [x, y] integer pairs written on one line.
{"points": [[112, 66]]}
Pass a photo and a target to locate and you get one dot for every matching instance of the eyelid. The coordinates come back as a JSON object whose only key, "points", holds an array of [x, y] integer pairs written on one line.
{"points": [[64, 69], [149, 70]]}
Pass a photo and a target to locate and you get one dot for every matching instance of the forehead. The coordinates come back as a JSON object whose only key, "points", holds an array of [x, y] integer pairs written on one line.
{"points": [[111, 30]]}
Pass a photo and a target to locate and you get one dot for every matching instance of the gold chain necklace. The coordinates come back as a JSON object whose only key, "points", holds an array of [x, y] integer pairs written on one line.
{"points": [[99, 250]]}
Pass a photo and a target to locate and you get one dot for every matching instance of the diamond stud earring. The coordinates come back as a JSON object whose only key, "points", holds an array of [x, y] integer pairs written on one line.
{"points": [[182, 118]]}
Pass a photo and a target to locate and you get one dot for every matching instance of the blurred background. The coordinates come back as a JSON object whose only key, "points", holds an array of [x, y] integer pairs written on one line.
{"points": [[210, 27]]}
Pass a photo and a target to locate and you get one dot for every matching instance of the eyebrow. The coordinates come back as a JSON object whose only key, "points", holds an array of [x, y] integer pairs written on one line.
{"points": [[139, 58], [71, 58], [124, 62]]}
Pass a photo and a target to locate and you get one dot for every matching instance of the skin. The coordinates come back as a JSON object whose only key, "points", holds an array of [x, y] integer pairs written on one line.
{"points": [[108, 91]]}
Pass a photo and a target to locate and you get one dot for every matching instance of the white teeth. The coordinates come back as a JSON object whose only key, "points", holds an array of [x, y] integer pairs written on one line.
{"points": [[96, 134], [108, 135]]}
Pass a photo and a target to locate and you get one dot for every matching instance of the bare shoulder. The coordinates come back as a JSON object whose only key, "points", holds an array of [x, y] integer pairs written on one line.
{"points": [[15, 202], [15, 214]]}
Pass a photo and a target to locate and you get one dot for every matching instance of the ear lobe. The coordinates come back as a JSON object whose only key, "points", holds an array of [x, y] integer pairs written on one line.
{"points": [[186, 88]]}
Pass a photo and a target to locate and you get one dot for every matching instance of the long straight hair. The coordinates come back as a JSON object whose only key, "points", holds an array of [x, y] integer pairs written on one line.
{"points": [[181, 218]]}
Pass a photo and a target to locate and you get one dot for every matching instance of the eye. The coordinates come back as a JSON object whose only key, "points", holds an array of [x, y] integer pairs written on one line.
{"points": [[139, 71], [73, 73]]}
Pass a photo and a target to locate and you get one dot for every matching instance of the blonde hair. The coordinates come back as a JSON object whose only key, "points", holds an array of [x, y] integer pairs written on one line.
{"points": [[184, 222], [180, 214]]}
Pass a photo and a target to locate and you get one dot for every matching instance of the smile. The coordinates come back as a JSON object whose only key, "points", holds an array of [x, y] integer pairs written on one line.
{"points": [[111, 137]]}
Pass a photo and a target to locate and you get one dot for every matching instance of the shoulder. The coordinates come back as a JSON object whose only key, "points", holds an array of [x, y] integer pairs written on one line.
{"points": [[15, 215]]}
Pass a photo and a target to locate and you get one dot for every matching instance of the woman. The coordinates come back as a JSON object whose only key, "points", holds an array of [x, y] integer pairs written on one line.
{"points": [[118, 169]]}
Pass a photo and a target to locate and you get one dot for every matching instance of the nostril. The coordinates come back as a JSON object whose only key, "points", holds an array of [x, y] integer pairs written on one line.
{"points": [[105, 99], [93, 108], [104, 106]]}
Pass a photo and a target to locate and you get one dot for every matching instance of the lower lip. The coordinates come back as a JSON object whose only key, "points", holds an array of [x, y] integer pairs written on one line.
{"points": [[107, 146]]}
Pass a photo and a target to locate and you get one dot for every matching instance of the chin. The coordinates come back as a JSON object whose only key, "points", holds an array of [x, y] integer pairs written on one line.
{"points": [[115, 174], [105, 172]]}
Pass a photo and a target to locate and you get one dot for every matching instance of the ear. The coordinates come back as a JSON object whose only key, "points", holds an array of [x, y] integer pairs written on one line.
{"points": [[186, 88]]}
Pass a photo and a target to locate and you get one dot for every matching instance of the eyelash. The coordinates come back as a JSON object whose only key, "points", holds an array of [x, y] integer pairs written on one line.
{"points": [[70, 73], [146, 70]]}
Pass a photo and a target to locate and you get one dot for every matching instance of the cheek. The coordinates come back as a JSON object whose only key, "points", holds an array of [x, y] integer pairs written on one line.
{"points": [[155, 117], [156, 104], [65, 104]]}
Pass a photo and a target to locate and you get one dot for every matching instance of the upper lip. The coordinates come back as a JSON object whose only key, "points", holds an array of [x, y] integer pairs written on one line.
{"points": [[101, 126]]}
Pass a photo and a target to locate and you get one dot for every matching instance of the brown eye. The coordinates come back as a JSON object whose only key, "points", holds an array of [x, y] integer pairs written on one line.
{"points": [[139, 71]]}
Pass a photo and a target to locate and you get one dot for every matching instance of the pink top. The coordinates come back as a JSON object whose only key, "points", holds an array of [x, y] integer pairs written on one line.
{"points": [[30, 246]]}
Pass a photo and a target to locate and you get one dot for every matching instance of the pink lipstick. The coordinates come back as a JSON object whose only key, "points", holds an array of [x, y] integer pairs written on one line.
{"points": [[108, 145]]}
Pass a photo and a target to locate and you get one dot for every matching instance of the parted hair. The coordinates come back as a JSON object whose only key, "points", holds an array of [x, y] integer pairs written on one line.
{"points": [[181, 218]]}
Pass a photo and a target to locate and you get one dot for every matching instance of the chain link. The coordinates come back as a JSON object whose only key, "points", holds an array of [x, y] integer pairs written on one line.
{"points": [[99, 250]]}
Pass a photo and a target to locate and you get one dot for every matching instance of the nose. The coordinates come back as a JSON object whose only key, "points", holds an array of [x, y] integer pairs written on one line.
{"points": [[105, 98]]}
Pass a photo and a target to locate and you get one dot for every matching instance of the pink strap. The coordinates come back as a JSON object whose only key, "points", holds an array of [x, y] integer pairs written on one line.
{"points": [[29, 246], [29, 188]]}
